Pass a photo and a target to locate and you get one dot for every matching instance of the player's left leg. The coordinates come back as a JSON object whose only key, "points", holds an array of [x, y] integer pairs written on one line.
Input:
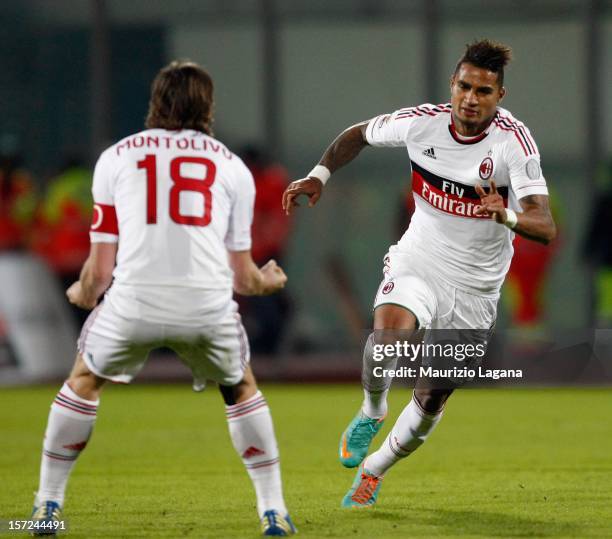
{"points": [[69, 427], [252, 433]]}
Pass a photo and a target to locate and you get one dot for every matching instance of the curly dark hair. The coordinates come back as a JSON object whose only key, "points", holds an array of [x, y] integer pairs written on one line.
{"points": [[181, 98], [487, 54]]}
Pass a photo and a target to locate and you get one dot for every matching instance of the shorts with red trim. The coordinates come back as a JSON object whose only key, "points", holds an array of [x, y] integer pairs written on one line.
{"points": [[449, 315], [412, 283], [116, 348]]}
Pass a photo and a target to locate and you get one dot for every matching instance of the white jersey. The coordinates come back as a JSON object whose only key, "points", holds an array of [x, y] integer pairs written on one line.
{"points": [[469, 251], [176, 201]]}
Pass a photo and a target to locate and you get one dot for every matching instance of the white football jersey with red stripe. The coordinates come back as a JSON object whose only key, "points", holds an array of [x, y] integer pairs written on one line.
{"points": [[471, 252], [176, 201]]}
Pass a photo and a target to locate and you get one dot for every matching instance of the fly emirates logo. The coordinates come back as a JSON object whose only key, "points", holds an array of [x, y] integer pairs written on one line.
{"points": [[449, 196]]}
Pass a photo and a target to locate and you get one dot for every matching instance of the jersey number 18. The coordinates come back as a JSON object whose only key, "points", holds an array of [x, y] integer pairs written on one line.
{"points": [[180, 183]]}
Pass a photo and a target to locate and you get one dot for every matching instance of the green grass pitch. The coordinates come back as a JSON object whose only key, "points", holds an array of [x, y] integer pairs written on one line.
{"points": [[520, 463]]}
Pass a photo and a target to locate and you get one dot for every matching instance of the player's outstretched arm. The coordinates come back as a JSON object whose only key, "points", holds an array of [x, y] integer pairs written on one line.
{"points": [[249, 280], [96, 276], [345, 147], [535, 222]]}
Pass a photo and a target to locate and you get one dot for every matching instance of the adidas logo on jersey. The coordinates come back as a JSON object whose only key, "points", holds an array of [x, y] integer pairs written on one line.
{"points": [[430, 152]]}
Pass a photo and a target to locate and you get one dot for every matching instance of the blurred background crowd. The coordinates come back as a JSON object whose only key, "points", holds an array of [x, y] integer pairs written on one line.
{"points": [[289, 76]]}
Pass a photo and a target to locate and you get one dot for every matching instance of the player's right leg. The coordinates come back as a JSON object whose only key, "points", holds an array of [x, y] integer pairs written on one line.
{"points": [[390, 323], [252, 433], [226, 361], [69, 427]]}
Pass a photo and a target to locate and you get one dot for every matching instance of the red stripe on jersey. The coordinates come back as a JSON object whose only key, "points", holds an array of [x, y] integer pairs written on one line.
{"points": [[443, 107], [532, 142], [104, 219], [522, 131], [528, 139], [471, 140], [426, 111], [407, 110], [448, 203], [421, 110], [516, 128], [498, 124]]}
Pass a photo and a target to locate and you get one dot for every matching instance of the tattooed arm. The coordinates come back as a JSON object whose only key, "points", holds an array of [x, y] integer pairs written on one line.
{"points": [[341, 151], [535, 222]]}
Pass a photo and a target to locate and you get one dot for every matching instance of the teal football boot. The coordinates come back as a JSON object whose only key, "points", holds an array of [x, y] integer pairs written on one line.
{"points": [[356, 439], [364, 490]]}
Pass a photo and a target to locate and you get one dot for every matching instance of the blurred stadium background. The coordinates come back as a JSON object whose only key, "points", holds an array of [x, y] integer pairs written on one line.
{"points": [[289, 76]]}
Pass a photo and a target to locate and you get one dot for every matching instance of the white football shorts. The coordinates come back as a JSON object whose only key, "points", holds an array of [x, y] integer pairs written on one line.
{"points": [[436, 304], [116, 348]]}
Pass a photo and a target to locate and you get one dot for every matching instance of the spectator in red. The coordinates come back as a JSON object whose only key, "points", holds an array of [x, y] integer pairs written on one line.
{"points": [[529, 273], [17, 203], [62, 224], [17, 206], [266, 317]]}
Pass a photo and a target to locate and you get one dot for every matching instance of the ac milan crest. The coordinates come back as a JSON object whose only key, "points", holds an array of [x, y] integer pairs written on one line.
{"points": [[486, 168], [388, 287]]}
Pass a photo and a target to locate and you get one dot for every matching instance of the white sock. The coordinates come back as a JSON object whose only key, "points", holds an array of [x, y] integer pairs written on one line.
{"points": [[69, 427], [252, 433], [375, 403], [375, 388], [411, 429]]}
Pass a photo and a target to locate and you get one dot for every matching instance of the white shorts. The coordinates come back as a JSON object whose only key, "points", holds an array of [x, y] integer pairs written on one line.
{"points": [[435, 303], [116, 348]]}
